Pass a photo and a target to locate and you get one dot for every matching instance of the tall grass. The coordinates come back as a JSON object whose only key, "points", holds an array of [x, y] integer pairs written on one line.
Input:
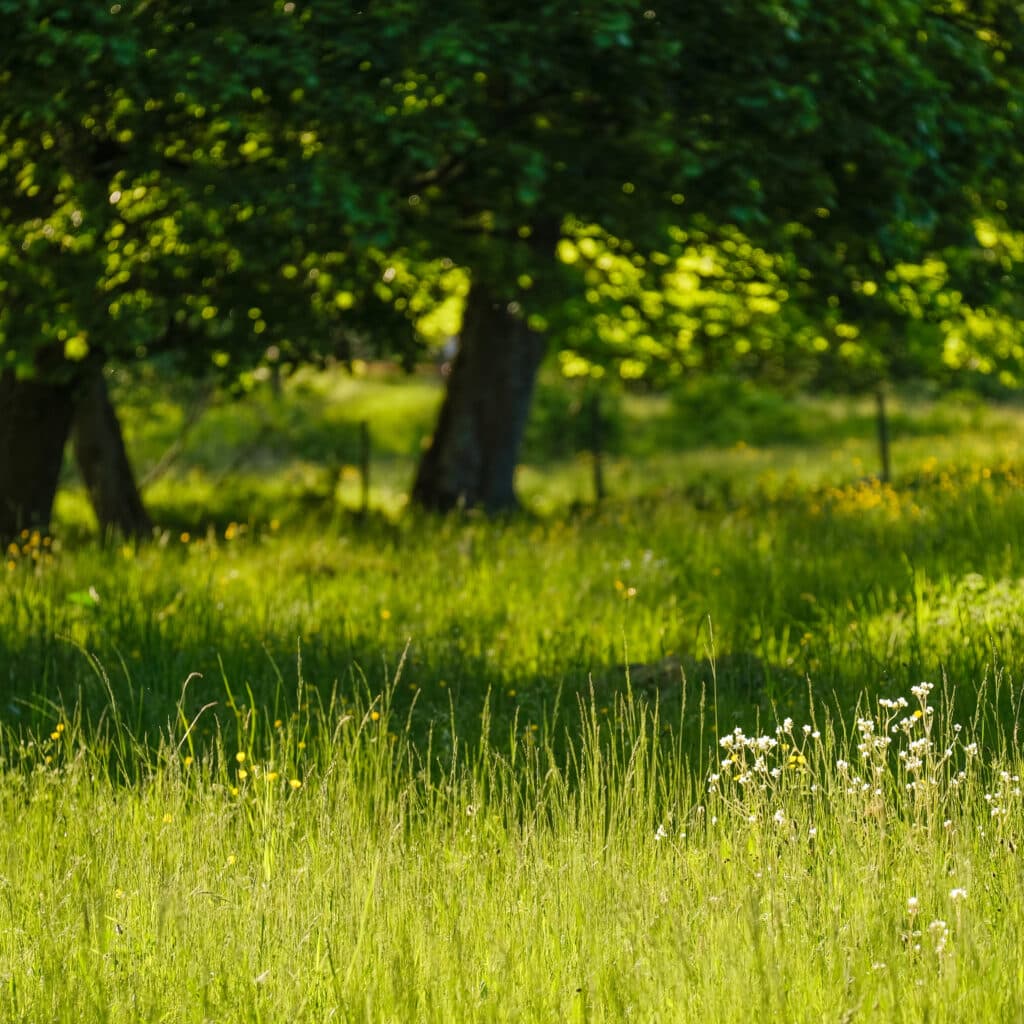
{"points": [[668, 759], [856, 588], [833, 869]]}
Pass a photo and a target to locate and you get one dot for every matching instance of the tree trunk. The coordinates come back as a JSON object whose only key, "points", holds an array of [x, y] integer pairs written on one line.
{"points": [[473, 454], [103, 460], [35, 419]]}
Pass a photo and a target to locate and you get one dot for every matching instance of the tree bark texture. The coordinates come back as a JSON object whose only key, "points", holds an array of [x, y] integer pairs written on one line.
{"points": [[35, 419], [103, 460], [472, 457]]}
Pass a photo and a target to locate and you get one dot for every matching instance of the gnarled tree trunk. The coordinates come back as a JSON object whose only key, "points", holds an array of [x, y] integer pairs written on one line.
{"points": [[35, 419], [473, 454], [103, 461]]}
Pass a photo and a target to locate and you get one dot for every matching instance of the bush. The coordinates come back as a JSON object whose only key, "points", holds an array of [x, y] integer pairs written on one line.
{"points": [[561, 423], [724, 410]]}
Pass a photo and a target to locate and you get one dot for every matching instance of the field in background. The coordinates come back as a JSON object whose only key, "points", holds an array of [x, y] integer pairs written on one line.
{"points": [[773, 556], [286, 763], [280, 455]]}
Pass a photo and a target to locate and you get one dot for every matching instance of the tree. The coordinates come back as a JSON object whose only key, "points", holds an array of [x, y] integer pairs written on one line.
{"points": [[220, 181], [103, 460], [858, 141], [472, 457], [164, 188]]}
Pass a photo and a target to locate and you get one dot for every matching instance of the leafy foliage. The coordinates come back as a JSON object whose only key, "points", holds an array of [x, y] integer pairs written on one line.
{"points": [[234, 181]]}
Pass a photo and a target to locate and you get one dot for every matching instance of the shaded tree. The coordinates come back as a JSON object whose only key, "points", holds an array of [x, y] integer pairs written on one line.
{"points": [[848, 144], [220, 181]]}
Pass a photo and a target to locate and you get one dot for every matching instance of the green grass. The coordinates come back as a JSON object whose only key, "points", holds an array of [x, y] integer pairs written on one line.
{"points": [[263, 455], [343, 874], [479, 758]]}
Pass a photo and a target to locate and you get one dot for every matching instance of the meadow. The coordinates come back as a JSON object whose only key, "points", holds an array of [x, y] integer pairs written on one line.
{"points": [[739, 740]]}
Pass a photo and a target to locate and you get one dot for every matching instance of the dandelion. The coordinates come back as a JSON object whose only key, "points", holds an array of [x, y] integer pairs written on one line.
{"points": [[240, 757], [957, 896], [660, 834], [168, 818], [295, 783], [374, 716], [912, 905]]}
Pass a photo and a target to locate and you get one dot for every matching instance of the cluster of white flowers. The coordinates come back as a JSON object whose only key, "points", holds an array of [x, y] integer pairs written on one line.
{"points": [[892, 705], [921, 760], [939, 932], [938, 929], [870, 745], [896, 748], [1007, 791], [761, 760]]}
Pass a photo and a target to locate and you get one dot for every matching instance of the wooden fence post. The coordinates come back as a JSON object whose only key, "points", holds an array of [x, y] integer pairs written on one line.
{"points": [[364, 467], [883, 434]]}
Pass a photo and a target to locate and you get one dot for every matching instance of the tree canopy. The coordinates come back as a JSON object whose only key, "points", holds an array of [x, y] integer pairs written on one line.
{"points": [[234, 182]]}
